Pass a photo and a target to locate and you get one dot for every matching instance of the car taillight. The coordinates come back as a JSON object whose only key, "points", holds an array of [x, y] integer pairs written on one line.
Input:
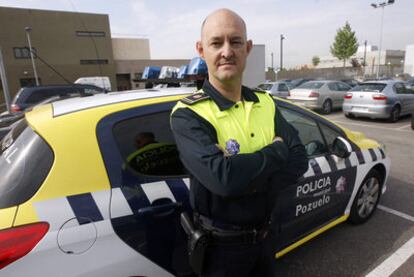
{"points": [[314, 94], [16, 242], [379, 97], [15, 108], [348, 96]]}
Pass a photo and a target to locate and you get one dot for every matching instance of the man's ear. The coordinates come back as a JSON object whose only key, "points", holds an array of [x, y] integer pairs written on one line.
{"points": [[249, 45], [200, 49]]}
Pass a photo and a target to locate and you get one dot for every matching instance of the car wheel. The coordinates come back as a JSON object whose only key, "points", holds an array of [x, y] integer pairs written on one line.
{"points": [[367, 198], [349, 115], [327, 107], [395, 114], [412, 121]]}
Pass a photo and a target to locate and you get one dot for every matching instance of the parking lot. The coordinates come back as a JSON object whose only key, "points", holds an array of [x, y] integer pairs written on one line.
{"points": [[383, 246]]}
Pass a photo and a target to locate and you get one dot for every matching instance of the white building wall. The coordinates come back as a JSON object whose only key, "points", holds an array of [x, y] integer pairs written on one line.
{"points": [[409, 60], [131, 49], [254, 73], [390, 60]]}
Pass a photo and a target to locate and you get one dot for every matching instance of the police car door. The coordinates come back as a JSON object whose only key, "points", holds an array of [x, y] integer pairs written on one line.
{"points": [[322, 193], [149, 187]]}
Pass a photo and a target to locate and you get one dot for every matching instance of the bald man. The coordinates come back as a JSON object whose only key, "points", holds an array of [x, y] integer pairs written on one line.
{"points": [[238, 150]]}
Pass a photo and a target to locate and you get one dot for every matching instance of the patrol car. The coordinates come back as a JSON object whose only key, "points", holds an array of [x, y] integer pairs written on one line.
{"points": [[72, 205]]}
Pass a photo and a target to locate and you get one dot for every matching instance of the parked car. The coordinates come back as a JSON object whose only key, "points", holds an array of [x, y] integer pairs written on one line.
{"points": [[379, 99], [30, 96], [350, 82], [71, 204], [297, 82], [320, 95], [279, 89], [100, 81], [410, 84], [8, 119], [412, 121]]}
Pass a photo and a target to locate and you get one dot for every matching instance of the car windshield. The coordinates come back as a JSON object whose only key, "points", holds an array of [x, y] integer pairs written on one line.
{"points": [[311, 85], [265, 86], [370, 87]]}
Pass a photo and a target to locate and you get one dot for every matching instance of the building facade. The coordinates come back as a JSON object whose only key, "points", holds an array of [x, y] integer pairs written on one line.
{"points": [[66, 46], [409, 60], [390, 61]]}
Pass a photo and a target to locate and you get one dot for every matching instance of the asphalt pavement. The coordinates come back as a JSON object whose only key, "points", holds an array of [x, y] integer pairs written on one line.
{"points": [[383, 246]]}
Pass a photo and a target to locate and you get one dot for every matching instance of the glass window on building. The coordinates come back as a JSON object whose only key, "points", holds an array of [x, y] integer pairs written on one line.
{"points": [[23, 52]]}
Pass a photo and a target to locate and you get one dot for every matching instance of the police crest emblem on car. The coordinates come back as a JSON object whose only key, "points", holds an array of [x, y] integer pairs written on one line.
{"points": [[341, 185]]}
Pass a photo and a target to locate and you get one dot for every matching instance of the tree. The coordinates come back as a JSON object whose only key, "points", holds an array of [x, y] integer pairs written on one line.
{"points": [[345, 44], [355, 62], [315, 60]]}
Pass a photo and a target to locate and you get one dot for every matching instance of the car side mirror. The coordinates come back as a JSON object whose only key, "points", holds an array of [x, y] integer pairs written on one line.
{"points": [[341, 147]]}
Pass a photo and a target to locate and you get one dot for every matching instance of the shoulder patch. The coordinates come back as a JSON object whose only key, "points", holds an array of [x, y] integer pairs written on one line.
{"points": [[194, 98]]}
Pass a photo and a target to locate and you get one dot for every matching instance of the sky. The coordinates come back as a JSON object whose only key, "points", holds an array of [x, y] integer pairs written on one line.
{"points": [[309, 26]]}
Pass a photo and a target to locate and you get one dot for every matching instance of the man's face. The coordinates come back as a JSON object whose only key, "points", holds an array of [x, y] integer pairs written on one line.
{"points": [[224, 47]]}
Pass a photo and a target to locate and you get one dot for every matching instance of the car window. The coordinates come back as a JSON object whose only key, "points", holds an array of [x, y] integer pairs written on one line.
{"points": [[308, 130], [311, 85], [333, 86], [25, 161], [343, 87], [91, 90], [40, 95], [369, 87], [147, 146], [329, 134], [265, 86], [283, 87], [399, 88]]}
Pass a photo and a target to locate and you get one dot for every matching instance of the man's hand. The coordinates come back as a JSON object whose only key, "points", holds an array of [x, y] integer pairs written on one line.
{"points": [[225, 152]]}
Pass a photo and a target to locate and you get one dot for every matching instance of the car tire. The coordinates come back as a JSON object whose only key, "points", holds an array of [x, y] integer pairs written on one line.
{"points": [[367, 198], [412, 121], [327, 107], [394, 114], [349, 115]]}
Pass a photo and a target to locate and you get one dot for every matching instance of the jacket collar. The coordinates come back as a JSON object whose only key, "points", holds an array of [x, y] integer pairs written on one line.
{"points": [[224, 103]]}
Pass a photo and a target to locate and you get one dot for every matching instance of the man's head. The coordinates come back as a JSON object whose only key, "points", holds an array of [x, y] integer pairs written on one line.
{"points": [[143, 139], [224, 46]]}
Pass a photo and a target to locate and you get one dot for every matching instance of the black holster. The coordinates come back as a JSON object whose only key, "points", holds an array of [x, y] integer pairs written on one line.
{"points": [[198, 240]]}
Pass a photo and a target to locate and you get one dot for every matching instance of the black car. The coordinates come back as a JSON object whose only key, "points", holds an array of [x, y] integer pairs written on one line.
{"points": [[30, 96]]}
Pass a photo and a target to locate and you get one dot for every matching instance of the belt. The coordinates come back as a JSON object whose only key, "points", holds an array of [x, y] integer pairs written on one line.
{"points": [[233, 235]]}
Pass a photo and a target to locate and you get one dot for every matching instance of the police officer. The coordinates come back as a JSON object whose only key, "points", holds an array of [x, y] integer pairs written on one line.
{"points": [[238, 150]]}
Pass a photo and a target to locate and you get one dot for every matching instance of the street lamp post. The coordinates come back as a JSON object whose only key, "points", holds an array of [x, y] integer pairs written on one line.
{"points": [[281, 51], [375, 6], [271, 54], [28, 29]]}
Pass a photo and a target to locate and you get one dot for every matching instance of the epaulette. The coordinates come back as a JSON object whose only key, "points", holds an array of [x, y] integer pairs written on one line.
{"points": [[194, 98]]}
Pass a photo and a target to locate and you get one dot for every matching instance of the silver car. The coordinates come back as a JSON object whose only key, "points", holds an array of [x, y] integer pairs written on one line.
{"points": [[379, 99], [320, 95], [279, 89]]}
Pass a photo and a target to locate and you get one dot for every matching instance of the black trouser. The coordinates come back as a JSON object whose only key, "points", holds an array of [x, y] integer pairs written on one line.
{"points": [[241, 259]]}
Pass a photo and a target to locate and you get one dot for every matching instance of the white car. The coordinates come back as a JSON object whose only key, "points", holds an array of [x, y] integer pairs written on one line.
{"points": [[320, 95], [279, 89]]}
